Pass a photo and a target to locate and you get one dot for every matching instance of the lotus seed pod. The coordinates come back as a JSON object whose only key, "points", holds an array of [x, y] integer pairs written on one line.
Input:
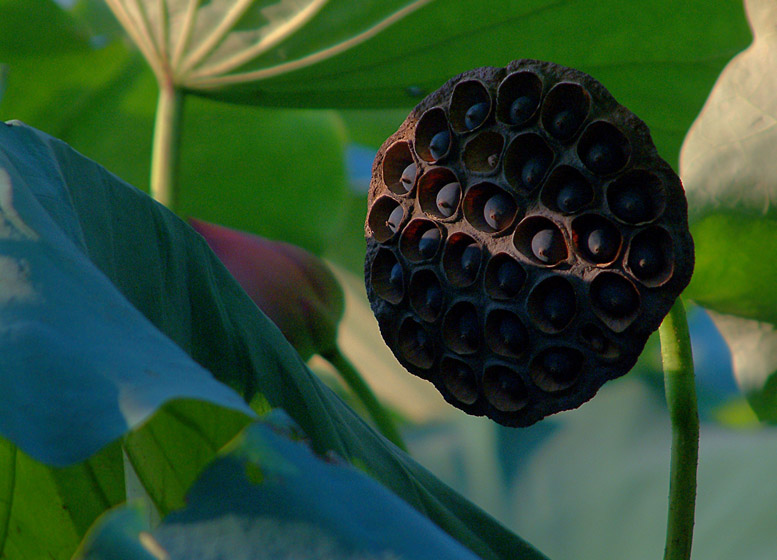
{"points": [[524, 239]]}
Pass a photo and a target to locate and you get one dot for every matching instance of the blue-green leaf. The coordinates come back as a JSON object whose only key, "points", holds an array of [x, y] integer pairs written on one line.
{"points": [[79, 365]]}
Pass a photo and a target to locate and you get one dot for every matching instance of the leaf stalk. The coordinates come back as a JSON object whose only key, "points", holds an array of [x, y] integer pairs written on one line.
{"points": [[166, 144], [680, 388]]}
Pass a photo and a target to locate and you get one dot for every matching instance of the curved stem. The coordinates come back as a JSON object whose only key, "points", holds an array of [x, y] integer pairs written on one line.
{"points": [[680, 390], [357, 384], [167, 139]]}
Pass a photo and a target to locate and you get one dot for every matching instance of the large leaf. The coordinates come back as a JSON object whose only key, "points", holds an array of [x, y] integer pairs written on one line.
{"points": [[270, 497], [729, 171], [166, 271], [109, 361], [388, 52]]}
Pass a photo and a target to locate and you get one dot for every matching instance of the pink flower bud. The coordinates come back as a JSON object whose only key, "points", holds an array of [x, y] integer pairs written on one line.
{"points": [[293, 287]]}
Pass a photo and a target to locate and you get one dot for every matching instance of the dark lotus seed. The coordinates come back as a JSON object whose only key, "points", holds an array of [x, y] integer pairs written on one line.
{"points": [[548, 246], [616, 297], [511, 394], [595, 340], [512, 334], [408, 177], [475, 115], [564, 124], [509, 278], [632, 205], [533, 171], [395, 219], [492, 160], [433, 301], [560, 366], [462, 384], [429, 242], [558, 308], [448, 199], [470, 260], [498, 211], [602, 158], [571, 197], [646, 259], [417, 346], [602, 244], [522, 108], [395, 276], [468, 331], [439, 144]]}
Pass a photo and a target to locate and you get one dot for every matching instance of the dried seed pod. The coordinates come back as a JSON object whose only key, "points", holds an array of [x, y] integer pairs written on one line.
{"points": [[524, 239]]}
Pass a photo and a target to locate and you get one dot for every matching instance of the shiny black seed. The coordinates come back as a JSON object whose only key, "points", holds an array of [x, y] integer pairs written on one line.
{"points": [[476, 115], [571, 197], [498, 211], [509, 278], [470, 260], [548, 246], [448, 199], [558, 308], [522, 108], [468, 330], [533, 171], [395, 219], [616, 297], [632, 205], [395, 276], [408, 177], [604, 158], [564, 123], [429, 242], [646, 259], [512, 334], [439, 145], [602, 244]]}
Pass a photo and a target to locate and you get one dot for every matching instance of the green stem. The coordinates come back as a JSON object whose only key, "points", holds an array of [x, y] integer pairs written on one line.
{"points": [[357, 384], [680, 390], [167, 139]]}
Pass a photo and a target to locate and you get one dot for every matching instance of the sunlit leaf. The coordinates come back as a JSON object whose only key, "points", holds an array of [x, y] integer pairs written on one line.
{"points": [[169, 452], [45, 511], [754, 354], [728, 167]]}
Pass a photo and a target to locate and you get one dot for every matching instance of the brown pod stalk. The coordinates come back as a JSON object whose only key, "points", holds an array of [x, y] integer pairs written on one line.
{"points": [[524, 238]]}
